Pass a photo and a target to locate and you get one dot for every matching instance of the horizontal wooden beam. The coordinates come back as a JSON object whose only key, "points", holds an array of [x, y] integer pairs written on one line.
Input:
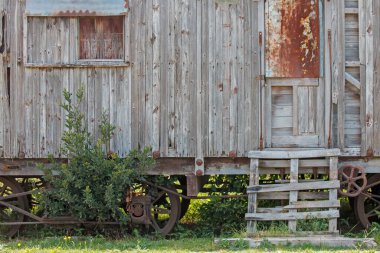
{"points": [[292, 216], [313, 153], [333, 184], [313, 204], [351, 10], [301, 195]]}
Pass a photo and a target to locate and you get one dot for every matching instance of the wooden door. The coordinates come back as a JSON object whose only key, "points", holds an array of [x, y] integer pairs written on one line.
{"points": [[293, 101]]}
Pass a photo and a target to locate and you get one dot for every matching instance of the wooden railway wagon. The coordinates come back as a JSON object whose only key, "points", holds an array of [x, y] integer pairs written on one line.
{"points": [[284, 87]]}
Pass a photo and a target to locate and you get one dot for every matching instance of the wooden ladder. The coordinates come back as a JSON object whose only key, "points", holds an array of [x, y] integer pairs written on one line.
{"points": [[302, 195]]}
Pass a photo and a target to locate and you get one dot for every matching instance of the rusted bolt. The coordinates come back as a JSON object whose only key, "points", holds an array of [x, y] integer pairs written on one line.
{"points": [[199, 162], [156, 154], [199, 172], [232, 154]]}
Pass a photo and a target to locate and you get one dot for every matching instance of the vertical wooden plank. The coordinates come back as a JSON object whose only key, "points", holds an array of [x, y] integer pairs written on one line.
{"points": [[293, 195], [178, 79], [198, 73], [369, 76], [212, 78], [363, 70], [185, 78], [254, 177], [312, 110], [303, 109], [333, 193], [263, 128], [376, 92], [156, 33], [247, 74], [171, 79], [233, 80], [3, 86], [338, 59], [241, 117], [226, 75], [164, 69], [17, 127], [204, 34], [267, 124], [296, 111], [327, 84], [43, 105], [219, 82], [146, 117], [135, 9]]}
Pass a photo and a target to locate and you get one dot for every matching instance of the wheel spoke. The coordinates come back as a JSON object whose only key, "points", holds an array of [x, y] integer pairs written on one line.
{"points": [[370, 197], [160, 194], [372, 185], [373, 212], [161, 210], [356, 186]]}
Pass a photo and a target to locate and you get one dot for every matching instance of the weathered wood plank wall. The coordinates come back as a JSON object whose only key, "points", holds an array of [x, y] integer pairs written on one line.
{"points": [[188, 83], [376, 91]]}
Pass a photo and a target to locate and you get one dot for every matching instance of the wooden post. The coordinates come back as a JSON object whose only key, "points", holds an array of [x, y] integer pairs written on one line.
{"points": [[293, 195], [252, 197], [333, 193]]}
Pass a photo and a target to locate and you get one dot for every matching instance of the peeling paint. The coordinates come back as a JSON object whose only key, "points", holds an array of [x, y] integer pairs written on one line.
{"points": [[292, 48]]}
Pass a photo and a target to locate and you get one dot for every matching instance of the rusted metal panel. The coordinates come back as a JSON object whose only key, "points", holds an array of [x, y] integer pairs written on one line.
{"points": [[293, 37], [101, 37], [76, 7]]}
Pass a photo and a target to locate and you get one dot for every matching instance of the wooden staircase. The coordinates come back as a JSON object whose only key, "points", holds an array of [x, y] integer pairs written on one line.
{"points": [[310, 198]]}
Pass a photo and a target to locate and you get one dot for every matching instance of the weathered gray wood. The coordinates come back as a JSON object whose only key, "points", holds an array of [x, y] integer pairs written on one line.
{"points": [[292, 216], [252, 197], [293, 154], [313, 204], [352, 80], [333, 193], [376, 88], [369, 106], [332, 184], [293, 195]]}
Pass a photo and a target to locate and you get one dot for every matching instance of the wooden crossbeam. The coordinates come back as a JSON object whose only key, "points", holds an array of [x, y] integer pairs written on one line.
{"points": [[292, 216], [334, 184], [355, 83]]}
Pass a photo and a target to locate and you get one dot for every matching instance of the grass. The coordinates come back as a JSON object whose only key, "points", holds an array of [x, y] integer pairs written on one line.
{"points": [[139, 244]]}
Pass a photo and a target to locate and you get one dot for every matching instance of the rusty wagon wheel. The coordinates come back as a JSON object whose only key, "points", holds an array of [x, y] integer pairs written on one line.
{"points": [[367, 204], [353, 180], [9, 186], [165, 210]]}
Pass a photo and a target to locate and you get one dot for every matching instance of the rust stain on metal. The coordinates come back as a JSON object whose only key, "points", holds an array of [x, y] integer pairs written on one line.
{"points": [[293, 38]]}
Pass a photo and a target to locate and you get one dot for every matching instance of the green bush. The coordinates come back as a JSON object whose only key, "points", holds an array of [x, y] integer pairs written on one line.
{"points": [[92, 185]]}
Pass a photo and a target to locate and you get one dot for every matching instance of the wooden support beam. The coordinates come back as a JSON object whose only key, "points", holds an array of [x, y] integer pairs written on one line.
{"points": [[292, 216], [332, 184], [298, 154], [252, 197], [293, 195], [355, 83]]}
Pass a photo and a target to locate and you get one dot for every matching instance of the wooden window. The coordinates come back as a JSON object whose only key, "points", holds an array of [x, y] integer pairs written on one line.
{"points": [[101, 38]]}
